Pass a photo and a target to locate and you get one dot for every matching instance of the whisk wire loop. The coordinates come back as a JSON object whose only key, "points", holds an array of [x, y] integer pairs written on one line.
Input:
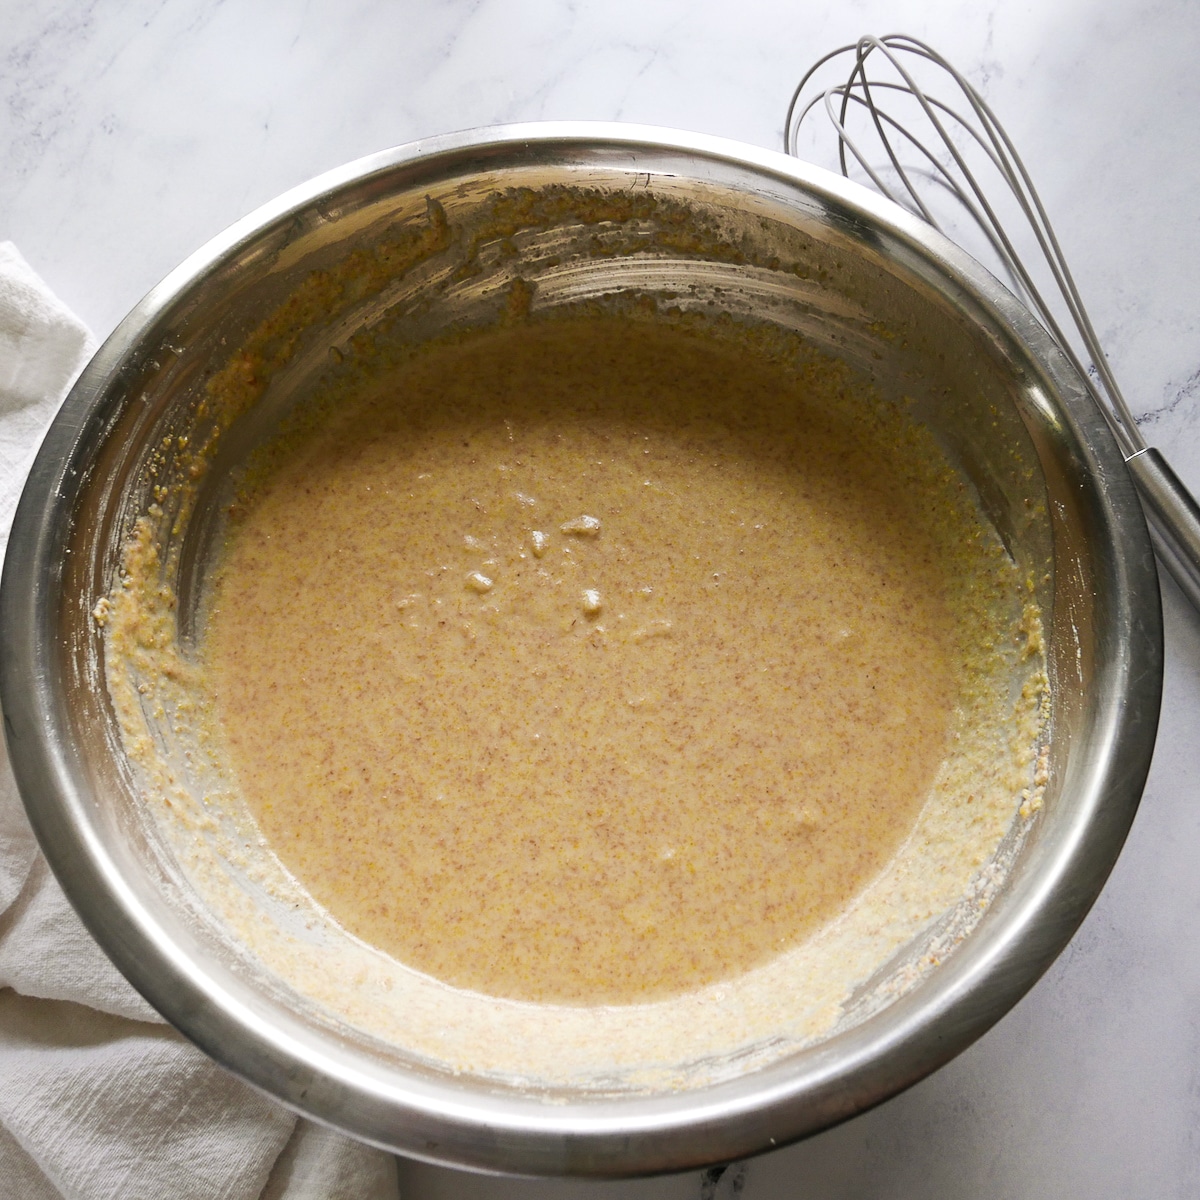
{"points": [[986, 132], [940, 174], [1174, 516]]}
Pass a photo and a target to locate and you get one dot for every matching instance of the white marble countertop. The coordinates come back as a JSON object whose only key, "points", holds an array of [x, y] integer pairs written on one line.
{"points": [[131, 133]]}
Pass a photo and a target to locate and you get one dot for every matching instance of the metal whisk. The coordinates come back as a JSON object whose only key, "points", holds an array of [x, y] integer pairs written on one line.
{"points": [[946, 137]]}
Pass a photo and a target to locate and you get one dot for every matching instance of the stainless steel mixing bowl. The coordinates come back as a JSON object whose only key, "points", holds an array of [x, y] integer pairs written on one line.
{"points": [[703, 223]]}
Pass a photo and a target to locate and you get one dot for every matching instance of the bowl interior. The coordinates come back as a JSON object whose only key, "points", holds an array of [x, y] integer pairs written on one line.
{"points": [[409, 244]]}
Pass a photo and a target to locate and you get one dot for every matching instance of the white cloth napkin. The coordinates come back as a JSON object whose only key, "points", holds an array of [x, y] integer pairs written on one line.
{"points": [[99, 1099]]}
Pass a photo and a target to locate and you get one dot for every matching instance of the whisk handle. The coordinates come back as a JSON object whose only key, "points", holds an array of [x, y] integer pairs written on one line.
{"points": [[1173, 517]]}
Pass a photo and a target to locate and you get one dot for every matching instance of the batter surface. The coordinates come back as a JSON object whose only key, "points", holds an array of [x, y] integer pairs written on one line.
{"points": [[588, 660]]}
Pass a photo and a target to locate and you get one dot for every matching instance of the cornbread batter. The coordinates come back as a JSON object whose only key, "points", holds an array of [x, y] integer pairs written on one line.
{"points": [[592, 660]]}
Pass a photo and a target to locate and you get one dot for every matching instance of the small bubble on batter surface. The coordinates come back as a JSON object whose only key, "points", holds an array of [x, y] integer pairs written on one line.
{"points": [[584, 526], [658, 628]]}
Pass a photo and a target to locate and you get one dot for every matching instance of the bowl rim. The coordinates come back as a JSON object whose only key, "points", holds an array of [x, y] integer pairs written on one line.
{"points": [[489, 1130]]}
